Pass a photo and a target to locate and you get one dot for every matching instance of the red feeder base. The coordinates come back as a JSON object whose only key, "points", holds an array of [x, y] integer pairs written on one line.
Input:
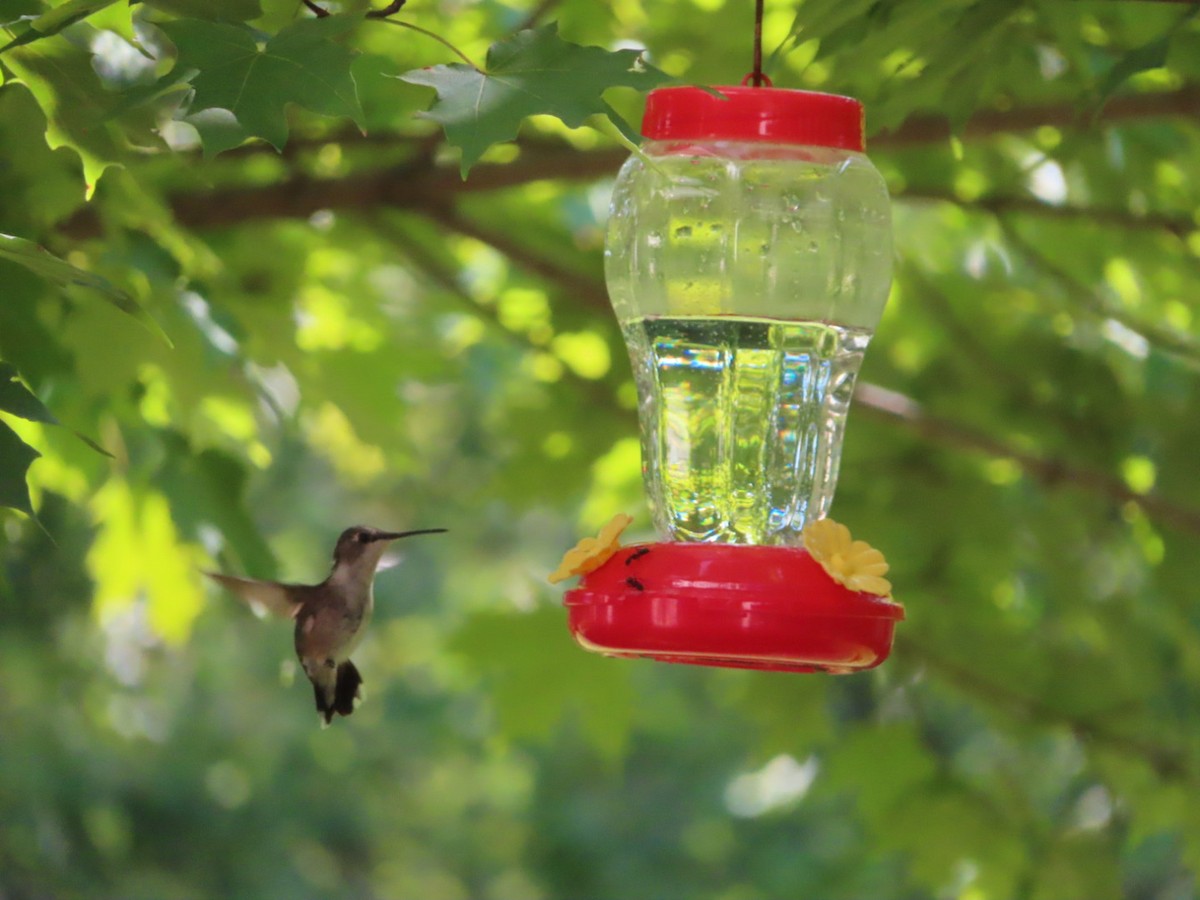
{"points": [[748, 607]]}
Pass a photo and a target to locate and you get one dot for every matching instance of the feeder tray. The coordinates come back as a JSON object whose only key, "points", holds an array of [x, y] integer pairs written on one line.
{"points": [[742, 606]]}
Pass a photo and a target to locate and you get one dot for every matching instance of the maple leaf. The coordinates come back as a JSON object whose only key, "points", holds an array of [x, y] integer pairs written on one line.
{"points": [[301, 64], [533, 72]]}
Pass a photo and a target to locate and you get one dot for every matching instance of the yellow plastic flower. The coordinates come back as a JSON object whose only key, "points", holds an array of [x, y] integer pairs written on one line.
{"points": [[855, 564], [592, 552]]}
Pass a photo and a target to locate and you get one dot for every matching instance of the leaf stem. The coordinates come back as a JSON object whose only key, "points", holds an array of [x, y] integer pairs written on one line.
{"points": [[437, 37]]}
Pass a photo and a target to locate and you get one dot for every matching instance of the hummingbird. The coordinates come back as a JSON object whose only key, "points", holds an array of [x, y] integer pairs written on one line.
{"points": [[330, 616]]}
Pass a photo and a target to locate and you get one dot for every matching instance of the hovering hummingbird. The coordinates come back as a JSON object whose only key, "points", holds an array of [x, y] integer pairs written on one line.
{"points": [[330, 616]]}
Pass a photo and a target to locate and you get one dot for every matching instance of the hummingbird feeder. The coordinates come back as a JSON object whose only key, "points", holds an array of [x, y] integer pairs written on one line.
{"points": [[748, 260]]}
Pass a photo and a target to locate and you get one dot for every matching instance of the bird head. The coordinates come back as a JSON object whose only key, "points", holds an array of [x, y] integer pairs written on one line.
{"points": [[360, 547]]}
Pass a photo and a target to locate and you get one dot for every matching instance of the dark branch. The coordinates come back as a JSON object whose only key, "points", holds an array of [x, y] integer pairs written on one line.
{"points": [[1179, 225], [1168, 761], [916, 130], [390, 10], [596, 393], [873, 399], [928, 129], [1179, 344], [301, 196], [418, 186], [573, 284], [1050, 471], [536, 14]]}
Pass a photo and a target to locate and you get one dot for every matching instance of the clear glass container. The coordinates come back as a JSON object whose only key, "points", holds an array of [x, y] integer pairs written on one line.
{"points": [[748, 260]]}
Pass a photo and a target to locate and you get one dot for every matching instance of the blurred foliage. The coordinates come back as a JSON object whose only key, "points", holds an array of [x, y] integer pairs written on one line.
{"points": [[359, 335]]}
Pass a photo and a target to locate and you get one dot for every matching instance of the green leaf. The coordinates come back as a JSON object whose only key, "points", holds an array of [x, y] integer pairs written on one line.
{"points": [[212, 10], [17, 399], [62, 273], [534, 72], [68, 13], [219, 130], [15, 459], [302, 64], [1149, 56], [1141, 59], [76, 106]]}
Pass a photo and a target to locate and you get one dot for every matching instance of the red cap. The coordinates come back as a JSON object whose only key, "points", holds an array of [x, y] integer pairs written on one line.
{"points": [[765, 114]]}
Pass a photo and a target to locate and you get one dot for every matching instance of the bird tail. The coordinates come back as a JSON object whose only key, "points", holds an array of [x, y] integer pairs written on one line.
{"points": [[337, 691], [348, 692]]}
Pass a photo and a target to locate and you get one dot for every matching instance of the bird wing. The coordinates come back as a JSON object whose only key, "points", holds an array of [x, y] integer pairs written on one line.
{"points": [[261, 596]]}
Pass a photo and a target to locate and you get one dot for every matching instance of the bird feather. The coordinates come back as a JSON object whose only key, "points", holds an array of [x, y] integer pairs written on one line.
{"points": [[262, 597]]}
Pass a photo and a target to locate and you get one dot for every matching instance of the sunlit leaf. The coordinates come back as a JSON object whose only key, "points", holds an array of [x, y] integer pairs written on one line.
{"points": [[17, 399], [61, 78], [137, 554], [56, 19]]}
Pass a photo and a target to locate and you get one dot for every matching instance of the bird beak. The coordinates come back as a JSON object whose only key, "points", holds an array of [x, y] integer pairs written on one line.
{"points": [[396, 535]]}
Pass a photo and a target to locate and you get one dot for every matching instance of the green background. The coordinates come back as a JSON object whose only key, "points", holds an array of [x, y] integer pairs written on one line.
{"points": [[359, 335]]}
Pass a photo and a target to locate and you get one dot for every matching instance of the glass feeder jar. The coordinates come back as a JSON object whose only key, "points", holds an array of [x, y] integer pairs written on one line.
{"points": [[748, 260]]}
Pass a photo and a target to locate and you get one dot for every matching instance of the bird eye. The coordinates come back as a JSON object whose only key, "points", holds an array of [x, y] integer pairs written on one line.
{"points": [[363, 537]]}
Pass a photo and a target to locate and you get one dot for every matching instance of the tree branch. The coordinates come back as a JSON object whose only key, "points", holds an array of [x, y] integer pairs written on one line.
{"points": [[926, 129], [411, 186], [577, 286], [1179, 344], [921, 129], [390, 10], [595, 393], [874, 400], [536, 14], [888, 405], [1167, 761], [417, 185], [1179, 225]]}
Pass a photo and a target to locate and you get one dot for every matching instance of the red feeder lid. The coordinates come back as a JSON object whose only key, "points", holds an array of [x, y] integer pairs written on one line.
{"points": [[767, 114], [744, 606]]}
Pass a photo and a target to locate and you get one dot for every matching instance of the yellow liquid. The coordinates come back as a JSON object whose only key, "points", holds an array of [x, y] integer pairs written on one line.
{"points": [[742, 422]]}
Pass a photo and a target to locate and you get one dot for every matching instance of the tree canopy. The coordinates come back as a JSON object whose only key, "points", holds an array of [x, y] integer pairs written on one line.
{"points": [[270, 268]]}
